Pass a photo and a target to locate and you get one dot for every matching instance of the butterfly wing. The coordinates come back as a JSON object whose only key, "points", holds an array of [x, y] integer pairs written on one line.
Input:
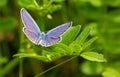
{"points": [[50, 41], [58, 31], [30, 28], [31, 35], [53, 36], [28, 21]]}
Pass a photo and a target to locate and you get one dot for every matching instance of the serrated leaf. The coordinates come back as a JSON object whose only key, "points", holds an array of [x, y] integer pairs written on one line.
{"points": [[89, 42], [71, 34], [76, 48], [83, 35], [63, 47], [93, 56], [56, 51]]}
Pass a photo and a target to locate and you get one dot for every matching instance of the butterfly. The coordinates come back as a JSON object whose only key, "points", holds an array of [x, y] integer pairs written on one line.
{"points": [[33, 33]]}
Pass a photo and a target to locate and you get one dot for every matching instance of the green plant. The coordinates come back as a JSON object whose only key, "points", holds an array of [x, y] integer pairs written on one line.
{"points": [[84, 49]]}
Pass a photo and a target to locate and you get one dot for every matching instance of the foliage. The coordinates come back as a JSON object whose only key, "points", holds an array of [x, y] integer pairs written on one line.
{"points": [[92, 48]]}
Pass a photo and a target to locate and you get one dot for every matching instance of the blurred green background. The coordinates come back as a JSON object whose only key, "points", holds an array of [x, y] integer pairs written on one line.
{"points": [[102, 15]]}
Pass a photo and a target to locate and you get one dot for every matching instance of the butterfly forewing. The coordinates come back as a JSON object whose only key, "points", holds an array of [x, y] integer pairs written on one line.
{"points": [[58, 31], [28, 21]]}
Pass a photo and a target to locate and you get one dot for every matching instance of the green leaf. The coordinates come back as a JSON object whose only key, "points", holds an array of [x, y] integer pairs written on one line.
{"points": [[49, 54], [21, 55], [75, 47], [96, 3], [93, 56], [110, 72], [27, 4], [71, 34], [89, 42], [91, 68], [58, 1], [62, 46], [83, 35], [94, 30], [55, 8], [57, 51]]}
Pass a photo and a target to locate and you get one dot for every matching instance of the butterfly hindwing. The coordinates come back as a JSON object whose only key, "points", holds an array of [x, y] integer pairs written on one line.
{"points": [[31, 35], [48, 41]]}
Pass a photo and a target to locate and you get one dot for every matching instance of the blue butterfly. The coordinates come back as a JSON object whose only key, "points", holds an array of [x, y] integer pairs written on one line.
{"points": [[34, 34]]}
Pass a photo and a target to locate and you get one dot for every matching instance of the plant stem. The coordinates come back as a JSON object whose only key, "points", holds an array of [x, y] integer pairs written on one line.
{"points": [[54, 66], [36, 4], [20, 67]]}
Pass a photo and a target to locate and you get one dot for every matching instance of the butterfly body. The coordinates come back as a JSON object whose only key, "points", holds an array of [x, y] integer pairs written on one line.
{"points": [[34, 34]]}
